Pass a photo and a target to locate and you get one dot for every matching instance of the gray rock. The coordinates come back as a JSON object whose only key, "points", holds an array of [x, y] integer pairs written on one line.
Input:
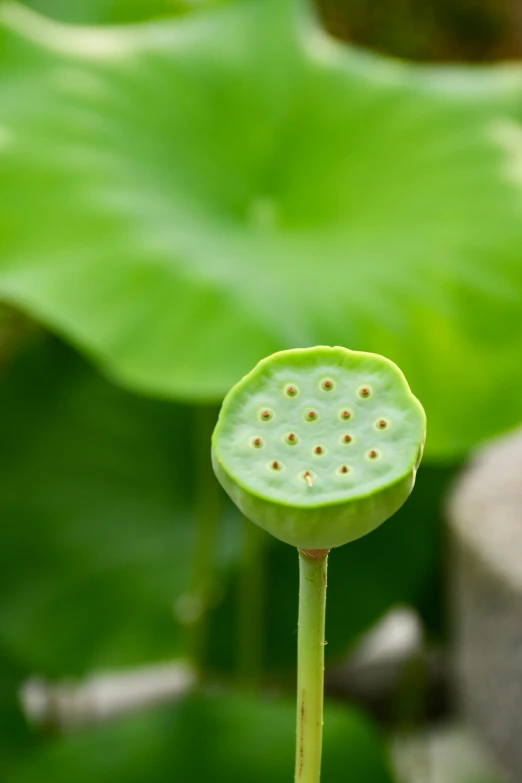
{"points": [[485, 512], [445, 753]]}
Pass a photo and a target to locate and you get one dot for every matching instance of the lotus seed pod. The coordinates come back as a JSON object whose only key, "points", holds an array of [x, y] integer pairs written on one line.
{"points": [[319, 446]]}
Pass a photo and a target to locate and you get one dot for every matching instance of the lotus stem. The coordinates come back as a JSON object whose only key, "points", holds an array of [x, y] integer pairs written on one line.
{"points": [[310, 664]]}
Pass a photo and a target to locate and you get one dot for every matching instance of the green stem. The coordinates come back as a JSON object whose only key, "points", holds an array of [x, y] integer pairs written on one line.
{"points": [[207, 512], [251, 607], [310, 665]]}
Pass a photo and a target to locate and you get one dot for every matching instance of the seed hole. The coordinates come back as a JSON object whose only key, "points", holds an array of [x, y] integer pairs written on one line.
{"points": [[373, 454], [311, 415], [347, 438], [276, 465], [364, 391], [291, 391], [346, 414], [291, 438], [319, 450], [257, 443], [327, 384]]}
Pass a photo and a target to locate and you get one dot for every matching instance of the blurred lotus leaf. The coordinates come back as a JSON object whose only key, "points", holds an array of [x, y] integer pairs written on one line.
{"points": [[183, 197], [98, 530], [97, 533], [224, 739]]}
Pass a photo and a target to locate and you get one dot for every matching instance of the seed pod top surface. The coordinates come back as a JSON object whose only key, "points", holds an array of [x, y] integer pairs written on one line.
{"points": [[319, 445]]}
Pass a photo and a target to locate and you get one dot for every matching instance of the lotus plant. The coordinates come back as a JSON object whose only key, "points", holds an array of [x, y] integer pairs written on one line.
{"points": [[318, 446]]}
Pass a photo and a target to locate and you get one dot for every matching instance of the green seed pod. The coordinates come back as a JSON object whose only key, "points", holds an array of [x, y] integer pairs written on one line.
{"points": [[341, 438]]}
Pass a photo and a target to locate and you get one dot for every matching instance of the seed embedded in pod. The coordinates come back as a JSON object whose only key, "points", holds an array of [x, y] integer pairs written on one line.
{"points": [[347, 438], [364, 391], [291, 391], [311, 415], [319, 450], [382, 424], [344, 469], [308, 477], [327, 385], [266, 414], [291, 438], [346, 414], [373, 453], [276, 465], [257, 442]]}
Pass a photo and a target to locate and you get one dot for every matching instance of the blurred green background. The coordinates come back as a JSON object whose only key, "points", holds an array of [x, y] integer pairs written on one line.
{"points": [[186, 187]]}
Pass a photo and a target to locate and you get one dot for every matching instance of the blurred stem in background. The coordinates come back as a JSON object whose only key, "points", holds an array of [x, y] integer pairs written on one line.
{"points": [[251, 607], [15, 329], [193, 609], [411, 715], [310, 665]]}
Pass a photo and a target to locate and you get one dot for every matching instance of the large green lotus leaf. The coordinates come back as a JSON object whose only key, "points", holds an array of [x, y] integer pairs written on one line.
{"points": [[96, 535], [182, 197], [225, 739]]}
